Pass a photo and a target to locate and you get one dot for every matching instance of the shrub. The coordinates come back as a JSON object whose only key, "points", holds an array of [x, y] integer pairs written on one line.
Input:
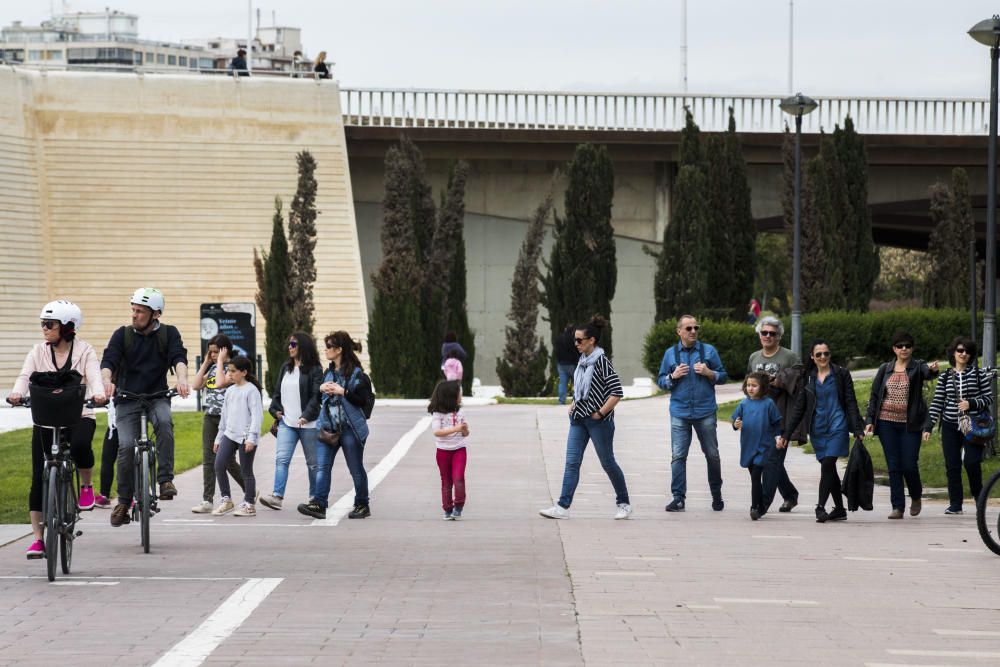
{"points": [[847, 333], [932, 330]]}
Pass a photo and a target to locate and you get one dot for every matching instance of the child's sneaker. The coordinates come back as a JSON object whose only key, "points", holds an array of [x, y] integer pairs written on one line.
{"points": [[204, 507], [449, 515], [36, 550], [102, 502], [86, 501], [245, 509], [225, 507], [456, 513]]}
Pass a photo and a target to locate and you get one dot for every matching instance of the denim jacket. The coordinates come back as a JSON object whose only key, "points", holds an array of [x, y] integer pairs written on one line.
{"points": [[353, 415], [692, 396]]}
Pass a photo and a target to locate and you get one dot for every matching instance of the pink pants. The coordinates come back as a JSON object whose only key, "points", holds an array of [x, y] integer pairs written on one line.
{"points": [[451, 463]]}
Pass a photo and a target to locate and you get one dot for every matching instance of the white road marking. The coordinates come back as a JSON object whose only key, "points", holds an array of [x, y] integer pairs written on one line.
{"points": [[874, 559], [957, 551], [624, 573], [338, 510], [649, 558], [902, 664], [85, 583], [110, 577], [697, 607], [193, 649], [967, 633], [803, 603], [777, 537], [943, 654]]}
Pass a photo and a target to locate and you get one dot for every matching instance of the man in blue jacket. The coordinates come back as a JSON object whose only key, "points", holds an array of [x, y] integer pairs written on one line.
{"points": [[689, 371]]}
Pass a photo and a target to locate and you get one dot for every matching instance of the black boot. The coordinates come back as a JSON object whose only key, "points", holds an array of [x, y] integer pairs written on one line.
{"points": [[821, 515]]}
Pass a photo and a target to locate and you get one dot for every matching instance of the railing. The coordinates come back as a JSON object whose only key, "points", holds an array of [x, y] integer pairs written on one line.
{"points": [[529, 110]]}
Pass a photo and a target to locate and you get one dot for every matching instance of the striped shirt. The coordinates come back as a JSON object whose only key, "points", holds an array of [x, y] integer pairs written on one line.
{"points": [[973, 385], [897, 397], [443, 420], [603, 385]]}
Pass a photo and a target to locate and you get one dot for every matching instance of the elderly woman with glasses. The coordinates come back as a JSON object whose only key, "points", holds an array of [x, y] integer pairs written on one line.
{"points": [[963, 389], [896, 414], [295, 404]]}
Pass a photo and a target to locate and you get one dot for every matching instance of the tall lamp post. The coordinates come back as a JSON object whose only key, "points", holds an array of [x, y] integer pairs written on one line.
{"points": [[797, 105]]}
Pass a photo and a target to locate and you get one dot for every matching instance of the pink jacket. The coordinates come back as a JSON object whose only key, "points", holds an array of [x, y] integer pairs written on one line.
{"points": [[85, 361], [452, 369]]}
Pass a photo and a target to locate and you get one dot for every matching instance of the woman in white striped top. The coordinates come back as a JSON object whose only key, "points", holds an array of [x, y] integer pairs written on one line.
{"points": [[596, 392], [964, 388]]}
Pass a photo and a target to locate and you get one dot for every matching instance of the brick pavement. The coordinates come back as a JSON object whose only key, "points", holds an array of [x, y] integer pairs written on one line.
{"points": [[505, 586]]}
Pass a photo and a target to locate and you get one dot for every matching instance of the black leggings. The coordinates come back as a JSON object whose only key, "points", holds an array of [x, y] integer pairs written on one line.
{"points": [[109, 455], [80, 437], [829, 482], [756, 487]]}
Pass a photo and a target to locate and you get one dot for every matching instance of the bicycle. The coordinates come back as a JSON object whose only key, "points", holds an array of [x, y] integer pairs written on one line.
{"points": [[988, 514], [60, 504], [144, 464]]}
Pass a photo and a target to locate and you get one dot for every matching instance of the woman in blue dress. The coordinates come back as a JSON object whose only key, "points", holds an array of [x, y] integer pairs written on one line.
{"points": [[828, 406]]}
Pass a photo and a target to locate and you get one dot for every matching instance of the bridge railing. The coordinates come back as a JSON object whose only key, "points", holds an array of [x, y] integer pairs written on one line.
{"points": [[531, 110]]}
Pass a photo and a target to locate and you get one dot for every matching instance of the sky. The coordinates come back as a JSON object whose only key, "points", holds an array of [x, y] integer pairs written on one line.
{"points": [[893, 48]]}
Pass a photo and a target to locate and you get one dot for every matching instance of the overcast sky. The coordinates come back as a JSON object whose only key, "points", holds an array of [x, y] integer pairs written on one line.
{"points": [[916, 48]]}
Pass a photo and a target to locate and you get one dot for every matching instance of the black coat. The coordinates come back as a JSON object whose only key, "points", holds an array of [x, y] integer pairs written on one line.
{"points": [[918, 372], [804, 406], [309, 395], [859, 478]]}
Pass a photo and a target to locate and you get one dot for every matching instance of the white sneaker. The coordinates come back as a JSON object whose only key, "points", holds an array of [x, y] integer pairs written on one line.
{"points": [[245, 509], [274, 502], [204, 507], [624, 511], [555, 512], [225, 507]]}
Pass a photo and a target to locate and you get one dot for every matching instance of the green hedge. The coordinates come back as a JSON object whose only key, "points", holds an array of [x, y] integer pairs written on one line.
{"points": [[862, 337]]}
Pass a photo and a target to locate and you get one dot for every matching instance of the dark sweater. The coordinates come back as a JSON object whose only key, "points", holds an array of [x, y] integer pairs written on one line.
{"points": [[566, 352], [145, 368]]}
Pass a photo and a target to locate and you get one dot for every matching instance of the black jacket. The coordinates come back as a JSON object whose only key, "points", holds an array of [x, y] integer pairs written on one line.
{"points": [[804, 406], [309, 383], [859, 479], [918, 372], [566, 352]]}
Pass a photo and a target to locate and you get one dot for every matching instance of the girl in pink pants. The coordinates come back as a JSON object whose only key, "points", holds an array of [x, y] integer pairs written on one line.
{"points": [[450, 432]]}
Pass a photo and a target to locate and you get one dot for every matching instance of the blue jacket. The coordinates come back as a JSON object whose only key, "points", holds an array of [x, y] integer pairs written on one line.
{"points": [[354, 414], [692, 396]]}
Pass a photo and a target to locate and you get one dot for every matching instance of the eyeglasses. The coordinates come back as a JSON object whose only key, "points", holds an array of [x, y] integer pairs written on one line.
{"points": [[50, 324], [769, 334], [692, 328], [903, 346], [961, 350], [821, 355], [579, 341], [293, 343]]}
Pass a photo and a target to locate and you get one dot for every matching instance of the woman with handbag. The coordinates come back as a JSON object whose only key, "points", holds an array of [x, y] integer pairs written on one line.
{"points": [[962, 391], [61, 350], [896, 413], [342, 425], [295, 406]]}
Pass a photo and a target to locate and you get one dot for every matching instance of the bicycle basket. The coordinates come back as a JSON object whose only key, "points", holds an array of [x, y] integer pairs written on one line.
{"points": [[59, 405]]}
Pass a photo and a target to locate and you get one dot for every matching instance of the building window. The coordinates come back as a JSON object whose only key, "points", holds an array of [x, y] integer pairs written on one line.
{"points": [[54, 55], [34, 55], [138, 57], [183, 61], [160, 59], [172, 60]]}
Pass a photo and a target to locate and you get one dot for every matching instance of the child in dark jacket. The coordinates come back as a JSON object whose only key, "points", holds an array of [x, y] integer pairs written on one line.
{"points": [[759, 422]]}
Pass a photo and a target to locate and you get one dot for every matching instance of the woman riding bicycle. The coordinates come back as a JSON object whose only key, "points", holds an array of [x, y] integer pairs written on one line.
{"points": [[61, 320]]}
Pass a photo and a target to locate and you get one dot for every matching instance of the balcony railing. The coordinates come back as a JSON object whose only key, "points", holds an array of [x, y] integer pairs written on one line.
{"points": [[529, 110]]}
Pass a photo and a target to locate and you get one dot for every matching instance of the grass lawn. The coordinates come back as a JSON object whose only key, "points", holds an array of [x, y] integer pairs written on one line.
{"points": [[15, 460], [932, 472]]}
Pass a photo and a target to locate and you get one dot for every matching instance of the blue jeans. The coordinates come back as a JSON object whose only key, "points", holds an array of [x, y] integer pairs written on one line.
{"points": [[354, 451], [902, 453], [287, 439], [680, 443], [565, 373], [602, 432]]}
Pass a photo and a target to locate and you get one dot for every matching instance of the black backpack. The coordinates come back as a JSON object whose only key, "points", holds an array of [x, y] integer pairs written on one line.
{"points": [[369, 396]]}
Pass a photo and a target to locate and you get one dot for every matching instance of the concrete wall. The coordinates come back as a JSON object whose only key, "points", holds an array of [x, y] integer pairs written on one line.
{"points": [[110, 182]]}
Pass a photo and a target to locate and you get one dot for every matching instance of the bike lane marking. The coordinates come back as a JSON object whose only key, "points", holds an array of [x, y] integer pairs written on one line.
{"points": [[345, 503], [194, 648]]}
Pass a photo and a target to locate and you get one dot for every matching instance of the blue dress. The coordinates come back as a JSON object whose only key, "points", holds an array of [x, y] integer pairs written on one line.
{"points": [[829, 434], [761, 424]]}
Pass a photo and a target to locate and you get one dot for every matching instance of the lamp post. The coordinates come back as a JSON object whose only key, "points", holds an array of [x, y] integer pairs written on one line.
{"points": [[797, 105]]}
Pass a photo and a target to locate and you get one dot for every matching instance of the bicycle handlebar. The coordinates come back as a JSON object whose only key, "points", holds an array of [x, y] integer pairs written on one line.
{"points": [[26, 403], [146, 398]]}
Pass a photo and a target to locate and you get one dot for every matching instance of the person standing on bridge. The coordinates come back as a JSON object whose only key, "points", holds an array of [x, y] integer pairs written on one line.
{"points": [[690, 370], [596, 392]]}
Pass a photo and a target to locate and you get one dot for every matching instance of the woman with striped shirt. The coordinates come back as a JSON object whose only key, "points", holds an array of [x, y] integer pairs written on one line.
{"points": [[896, 413], [962, 389], [596, 392]]}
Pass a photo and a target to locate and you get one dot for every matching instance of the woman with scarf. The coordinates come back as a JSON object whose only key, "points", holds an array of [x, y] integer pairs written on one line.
{"points": [[596, 392]]}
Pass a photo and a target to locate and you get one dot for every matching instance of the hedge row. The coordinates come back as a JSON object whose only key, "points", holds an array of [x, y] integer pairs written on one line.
{"points": [[861, 338]]}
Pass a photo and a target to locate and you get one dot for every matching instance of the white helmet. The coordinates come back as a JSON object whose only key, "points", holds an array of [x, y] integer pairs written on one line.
{"points": [[148, 296], [64, 311]]}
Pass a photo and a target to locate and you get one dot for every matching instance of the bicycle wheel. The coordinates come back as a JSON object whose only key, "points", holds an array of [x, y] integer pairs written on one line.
{"points": [[146, 492], [988, 513], [70, 509], [52, 511]]}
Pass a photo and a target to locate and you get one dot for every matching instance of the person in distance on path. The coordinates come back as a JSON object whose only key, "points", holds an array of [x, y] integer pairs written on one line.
{"points": [[689, 371], [596, 392]]}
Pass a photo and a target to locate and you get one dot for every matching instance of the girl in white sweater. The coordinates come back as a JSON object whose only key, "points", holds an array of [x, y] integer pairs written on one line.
{"points": [[239, 431]]}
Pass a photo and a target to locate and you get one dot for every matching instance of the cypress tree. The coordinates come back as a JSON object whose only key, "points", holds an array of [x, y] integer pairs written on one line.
{"points": [[859, 256], [684, 262], [719, 284], [522, 367], [947, 286], [582, 273], [302, 234], [273, 290], [457, 318], [815, 286]]}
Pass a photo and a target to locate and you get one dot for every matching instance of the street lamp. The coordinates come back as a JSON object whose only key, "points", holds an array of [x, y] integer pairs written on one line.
{"points": [[797, 105]]}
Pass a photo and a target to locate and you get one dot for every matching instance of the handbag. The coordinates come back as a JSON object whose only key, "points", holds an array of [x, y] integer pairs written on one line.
{"points": [[331, 438], [274, 428], [977, 427]]}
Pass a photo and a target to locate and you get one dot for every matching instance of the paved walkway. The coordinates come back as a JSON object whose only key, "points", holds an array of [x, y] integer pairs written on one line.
{"points": [[505, 586]]}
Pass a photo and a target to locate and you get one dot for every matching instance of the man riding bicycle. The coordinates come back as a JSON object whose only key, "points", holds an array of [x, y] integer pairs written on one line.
{"points": [[137, 359]]}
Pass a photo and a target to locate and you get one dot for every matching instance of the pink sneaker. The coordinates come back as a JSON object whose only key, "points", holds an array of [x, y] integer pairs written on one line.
{"points": [[86, 501], [102, 502], [36, 550]]}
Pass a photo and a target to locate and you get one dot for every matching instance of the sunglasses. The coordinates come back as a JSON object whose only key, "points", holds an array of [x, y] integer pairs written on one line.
{"points": [[332, 347], [903, 346], [961, 350], [50, 324], [579, 341], [293, 343], [693, 328], [769, 334], [821, 355]]}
